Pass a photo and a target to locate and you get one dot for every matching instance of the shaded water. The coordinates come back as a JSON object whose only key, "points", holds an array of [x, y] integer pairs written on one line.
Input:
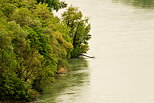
{"points": [[123, 44]]}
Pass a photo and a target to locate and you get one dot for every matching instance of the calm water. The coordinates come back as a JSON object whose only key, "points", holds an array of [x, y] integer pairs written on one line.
{"points": [[123, 44]]}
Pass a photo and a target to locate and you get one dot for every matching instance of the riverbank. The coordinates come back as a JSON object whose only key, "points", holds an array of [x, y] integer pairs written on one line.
{"points": [[65, 85]]}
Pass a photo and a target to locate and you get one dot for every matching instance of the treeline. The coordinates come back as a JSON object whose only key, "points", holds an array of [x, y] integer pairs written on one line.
{"points": [[34, 44], [137, 3]]}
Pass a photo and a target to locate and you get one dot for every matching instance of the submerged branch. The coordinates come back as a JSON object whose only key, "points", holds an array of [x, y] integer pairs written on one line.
{"points": [[88, 56]]}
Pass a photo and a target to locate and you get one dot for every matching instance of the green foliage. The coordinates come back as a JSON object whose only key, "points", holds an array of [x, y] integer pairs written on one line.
{"points": [[34, 44], [11, 87], [79, 30]]}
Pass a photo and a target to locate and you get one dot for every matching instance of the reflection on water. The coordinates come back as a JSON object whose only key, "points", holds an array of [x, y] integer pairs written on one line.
{"points": [[138, 3], [67, 85], [77, 81]]}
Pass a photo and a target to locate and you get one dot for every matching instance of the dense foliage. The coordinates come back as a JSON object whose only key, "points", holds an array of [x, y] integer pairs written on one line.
{"points": [[34, 44]]}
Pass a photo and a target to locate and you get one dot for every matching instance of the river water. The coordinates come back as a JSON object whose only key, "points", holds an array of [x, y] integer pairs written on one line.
{"points": [[123, 44]]}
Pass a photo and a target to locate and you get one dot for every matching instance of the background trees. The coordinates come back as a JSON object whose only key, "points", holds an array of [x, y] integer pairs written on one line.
{"points": [[54, 4]]}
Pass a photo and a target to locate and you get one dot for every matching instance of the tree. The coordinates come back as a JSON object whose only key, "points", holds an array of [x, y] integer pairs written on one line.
{"points": [[79, 30]]}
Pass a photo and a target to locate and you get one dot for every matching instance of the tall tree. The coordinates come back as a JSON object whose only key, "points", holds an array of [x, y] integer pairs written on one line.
{"points": [[79, 30]]}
